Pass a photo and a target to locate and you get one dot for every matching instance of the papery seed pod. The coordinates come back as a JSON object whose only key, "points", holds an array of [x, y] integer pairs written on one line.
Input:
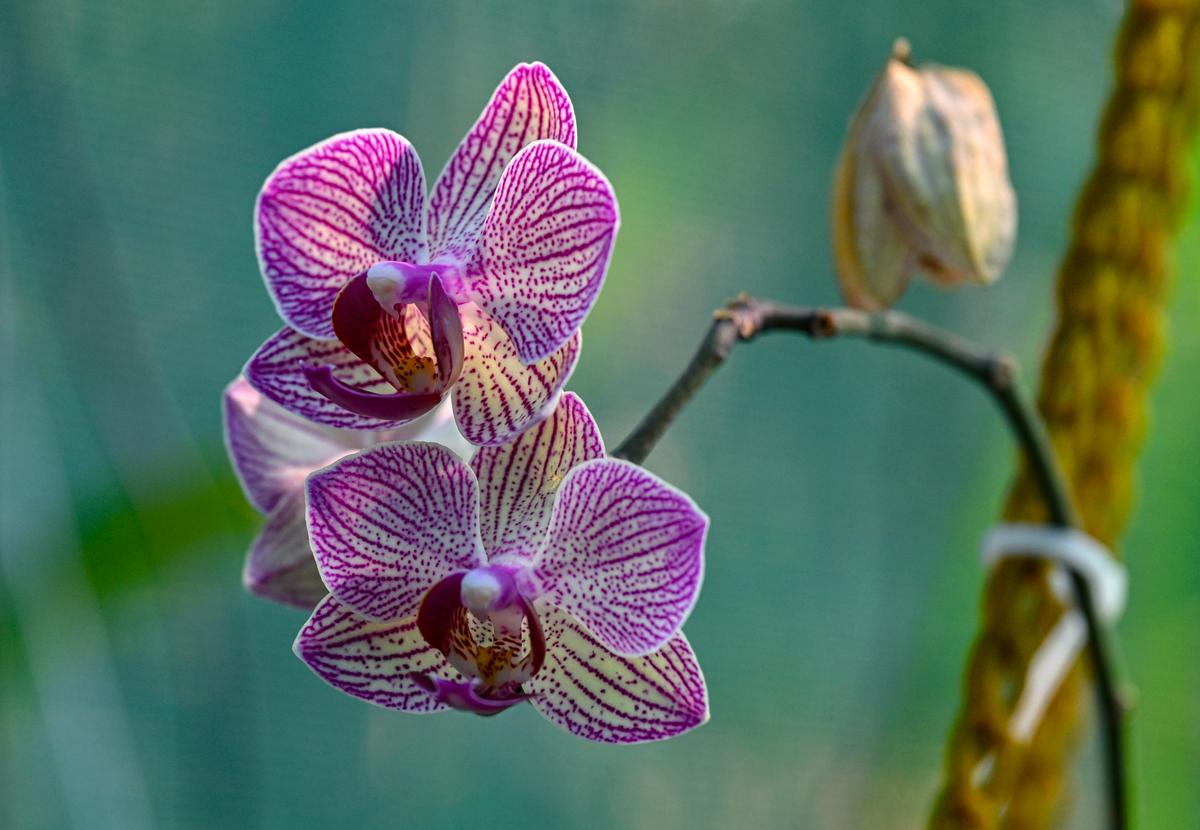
{"points": [[922, 181]]}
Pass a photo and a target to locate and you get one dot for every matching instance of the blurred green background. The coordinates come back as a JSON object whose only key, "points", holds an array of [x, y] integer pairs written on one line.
{"points": [[848, 485]]}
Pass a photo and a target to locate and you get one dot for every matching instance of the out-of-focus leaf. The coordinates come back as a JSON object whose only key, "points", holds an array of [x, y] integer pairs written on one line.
{"points": [[124, 545]]}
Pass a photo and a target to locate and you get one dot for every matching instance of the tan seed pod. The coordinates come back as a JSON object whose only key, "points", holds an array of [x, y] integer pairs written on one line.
{"points": [[922, 181]]}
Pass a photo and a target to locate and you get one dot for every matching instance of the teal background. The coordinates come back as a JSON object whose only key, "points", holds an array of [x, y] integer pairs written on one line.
{"points": [[847, 484]]}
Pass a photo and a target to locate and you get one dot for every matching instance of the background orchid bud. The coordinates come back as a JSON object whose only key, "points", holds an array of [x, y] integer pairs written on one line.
{"points": [[922, 181]]}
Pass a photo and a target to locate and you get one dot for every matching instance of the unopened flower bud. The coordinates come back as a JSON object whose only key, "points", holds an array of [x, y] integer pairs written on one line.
{"points": [[922, 182]]}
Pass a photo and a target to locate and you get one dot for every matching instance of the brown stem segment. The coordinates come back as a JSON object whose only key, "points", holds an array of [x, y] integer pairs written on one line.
{"points": [[746, 318]]}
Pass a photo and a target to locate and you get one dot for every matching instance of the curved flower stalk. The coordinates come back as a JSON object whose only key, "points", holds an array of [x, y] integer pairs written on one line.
{"points": [[542, 572], [273, 451], [395, 300]]}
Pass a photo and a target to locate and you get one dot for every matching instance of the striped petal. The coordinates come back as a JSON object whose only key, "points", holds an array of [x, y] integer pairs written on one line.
{"points": [[545, 247], [385, 663], [331, 212], [277, 370], [624, 555], [601, 696], [280, 565], [273, 449], [388, 523], [530, 104], [497, 396], [518, 480]]}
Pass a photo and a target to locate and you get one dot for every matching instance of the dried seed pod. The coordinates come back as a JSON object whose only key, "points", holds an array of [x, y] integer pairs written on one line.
{"points": [[922, 181]]}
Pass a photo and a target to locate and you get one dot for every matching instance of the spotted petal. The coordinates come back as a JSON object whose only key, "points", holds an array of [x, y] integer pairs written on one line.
{"points": [[497, 396], [389, 522], [545, 249], [601, 696], [518, 480], [277, 370], [273, 449], [332, 211], [530, 104], [375, 661], [624, 554], [280, 565]]}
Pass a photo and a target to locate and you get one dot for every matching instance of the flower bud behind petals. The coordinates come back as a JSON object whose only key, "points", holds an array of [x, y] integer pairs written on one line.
{"points": [[922, 182]]}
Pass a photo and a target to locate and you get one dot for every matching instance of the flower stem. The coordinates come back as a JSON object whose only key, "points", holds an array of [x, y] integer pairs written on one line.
{"points": [[746, 318]]}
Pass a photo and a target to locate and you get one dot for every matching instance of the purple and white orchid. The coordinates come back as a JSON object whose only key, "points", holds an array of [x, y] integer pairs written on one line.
{"points": [[273, 451], [394, 300], [541, 572]]}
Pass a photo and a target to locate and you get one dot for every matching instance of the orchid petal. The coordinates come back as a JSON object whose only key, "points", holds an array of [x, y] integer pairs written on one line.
{"points": [[518, 480], [529, 104], [545, 247], [601, 696], [498, 396], [331, 212], [277, 370], [389, 522], [280, 565], [375, 661], [273, 449], [624, 554]]}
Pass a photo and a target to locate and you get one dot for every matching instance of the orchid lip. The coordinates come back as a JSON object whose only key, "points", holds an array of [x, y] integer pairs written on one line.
{"points": [[515, 649], [399, 406], [357, 311], [446, 331], [466, 695]]}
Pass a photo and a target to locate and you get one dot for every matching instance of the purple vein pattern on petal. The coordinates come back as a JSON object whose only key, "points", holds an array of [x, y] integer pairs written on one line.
{"points": [[280, 565], [275, 371], [517, 480], [389, 522], [624, 554], [273, 449], [545, 249], [530, 104], [371, 660], [601, 696], [497, 396], [332, 211]]}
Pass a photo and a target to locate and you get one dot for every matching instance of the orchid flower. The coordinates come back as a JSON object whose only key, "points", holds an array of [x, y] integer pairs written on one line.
{"points": [[541, 572], [273, 451], [393, 300]]}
